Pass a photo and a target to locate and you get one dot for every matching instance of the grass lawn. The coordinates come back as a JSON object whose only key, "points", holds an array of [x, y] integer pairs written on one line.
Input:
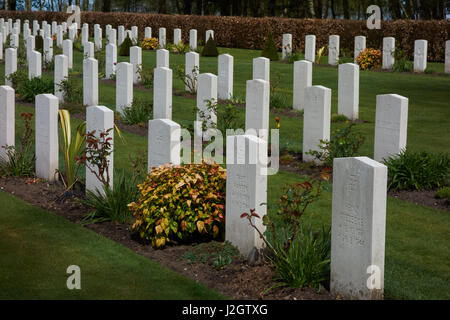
{"points": [[37, 246], [417, 238]]}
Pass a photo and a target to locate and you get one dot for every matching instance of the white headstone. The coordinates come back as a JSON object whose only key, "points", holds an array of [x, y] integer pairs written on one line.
{"points": [[136, 61], [391, 126], [316, 120], [100, 119], [333, 50], [302, 80], [348, 90], [48, 49], [90, 82], [73, 32], [68, 51], [257, 107], [388, 52], [287, 45], [54, 27], [30, 46], [120, 35], [46, 145], [310, 48], [84, 34], [124, 86], [193, 39], [162, 93], [1, 47], [135, 34], [59, 36], [98, 38], [148, 32], [112, 38], [35, 65], [162, 58], [7, 123], [164, 137], [447, 56], [61, 74], [360, 45], [225, 77], [246, 189], [10, 64], [162, 37], [206, 91], [358, 228], [88, 50], [176, 35], [420, 55], [14, 38], [192, 69], [261, 69], [111, 60]]}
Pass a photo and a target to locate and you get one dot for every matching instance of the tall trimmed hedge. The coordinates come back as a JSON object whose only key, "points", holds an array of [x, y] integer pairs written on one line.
{"points": [[249, 33]]}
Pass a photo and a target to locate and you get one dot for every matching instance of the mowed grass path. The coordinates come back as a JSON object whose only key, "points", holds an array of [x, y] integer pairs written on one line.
{"points": [[36, 247], [417, 241]]}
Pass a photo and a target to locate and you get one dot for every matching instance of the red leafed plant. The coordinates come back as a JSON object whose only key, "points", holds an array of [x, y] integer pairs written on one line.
{"points": [[95, 158]]}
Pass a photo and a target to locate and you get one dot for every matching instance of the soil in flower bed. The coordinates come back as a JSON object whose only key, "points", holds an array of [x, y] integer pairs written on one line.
{"points": [[237, 280], [424, 198]]}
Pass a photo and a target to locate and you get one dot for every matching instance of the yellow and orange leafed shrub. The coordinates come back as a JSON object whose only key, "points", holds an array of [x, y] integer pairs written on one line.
{"points": [[369, 59], [149, 43], [181, 202]]}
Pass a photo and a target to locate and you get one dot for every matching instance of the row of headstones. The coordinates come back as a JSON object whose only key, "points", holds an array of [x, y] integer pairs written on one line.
{"points": [[420, 46], [388, 56], [359, 184]]}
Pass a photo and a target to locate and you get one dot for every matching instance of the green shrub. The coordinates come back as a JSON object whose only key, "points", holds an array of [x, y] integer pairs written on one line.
{"points": [[113, 205], [338, 118], [417, 170], [270, 50], [73, 94], [343, 143], [295, 56], [227, 116], [210, 49], [21, 160], [443, 193], [182, 202], [300, 255], [306, 263], [29, 89], [279, 101], [124, 50], [401, 62], [139, 112], [18, 77]]}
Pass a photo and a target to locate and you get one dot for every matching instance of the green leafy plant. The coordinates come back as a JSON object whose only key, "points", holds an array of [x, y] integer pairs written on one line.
{"points": [[443, 193], [29, 89], [149, 44], [18, 77], [125, 47], [270, 50], [277, 99], [294, 56], [179, 48], [146, 75], [338, 118], [401, 62], [417, 170], [73, 94], [227, 116], [189, 80], [180, 203], [139, 112], [210, 49], [300, 255], [72, 148], [344, 142], [20, 161], [112, 204]]}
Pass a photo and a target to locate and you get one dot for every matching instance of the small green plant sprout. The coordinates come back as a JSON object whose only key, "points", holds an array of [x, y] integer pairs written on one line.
{"points": [[189, 79], [344, 142]]}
